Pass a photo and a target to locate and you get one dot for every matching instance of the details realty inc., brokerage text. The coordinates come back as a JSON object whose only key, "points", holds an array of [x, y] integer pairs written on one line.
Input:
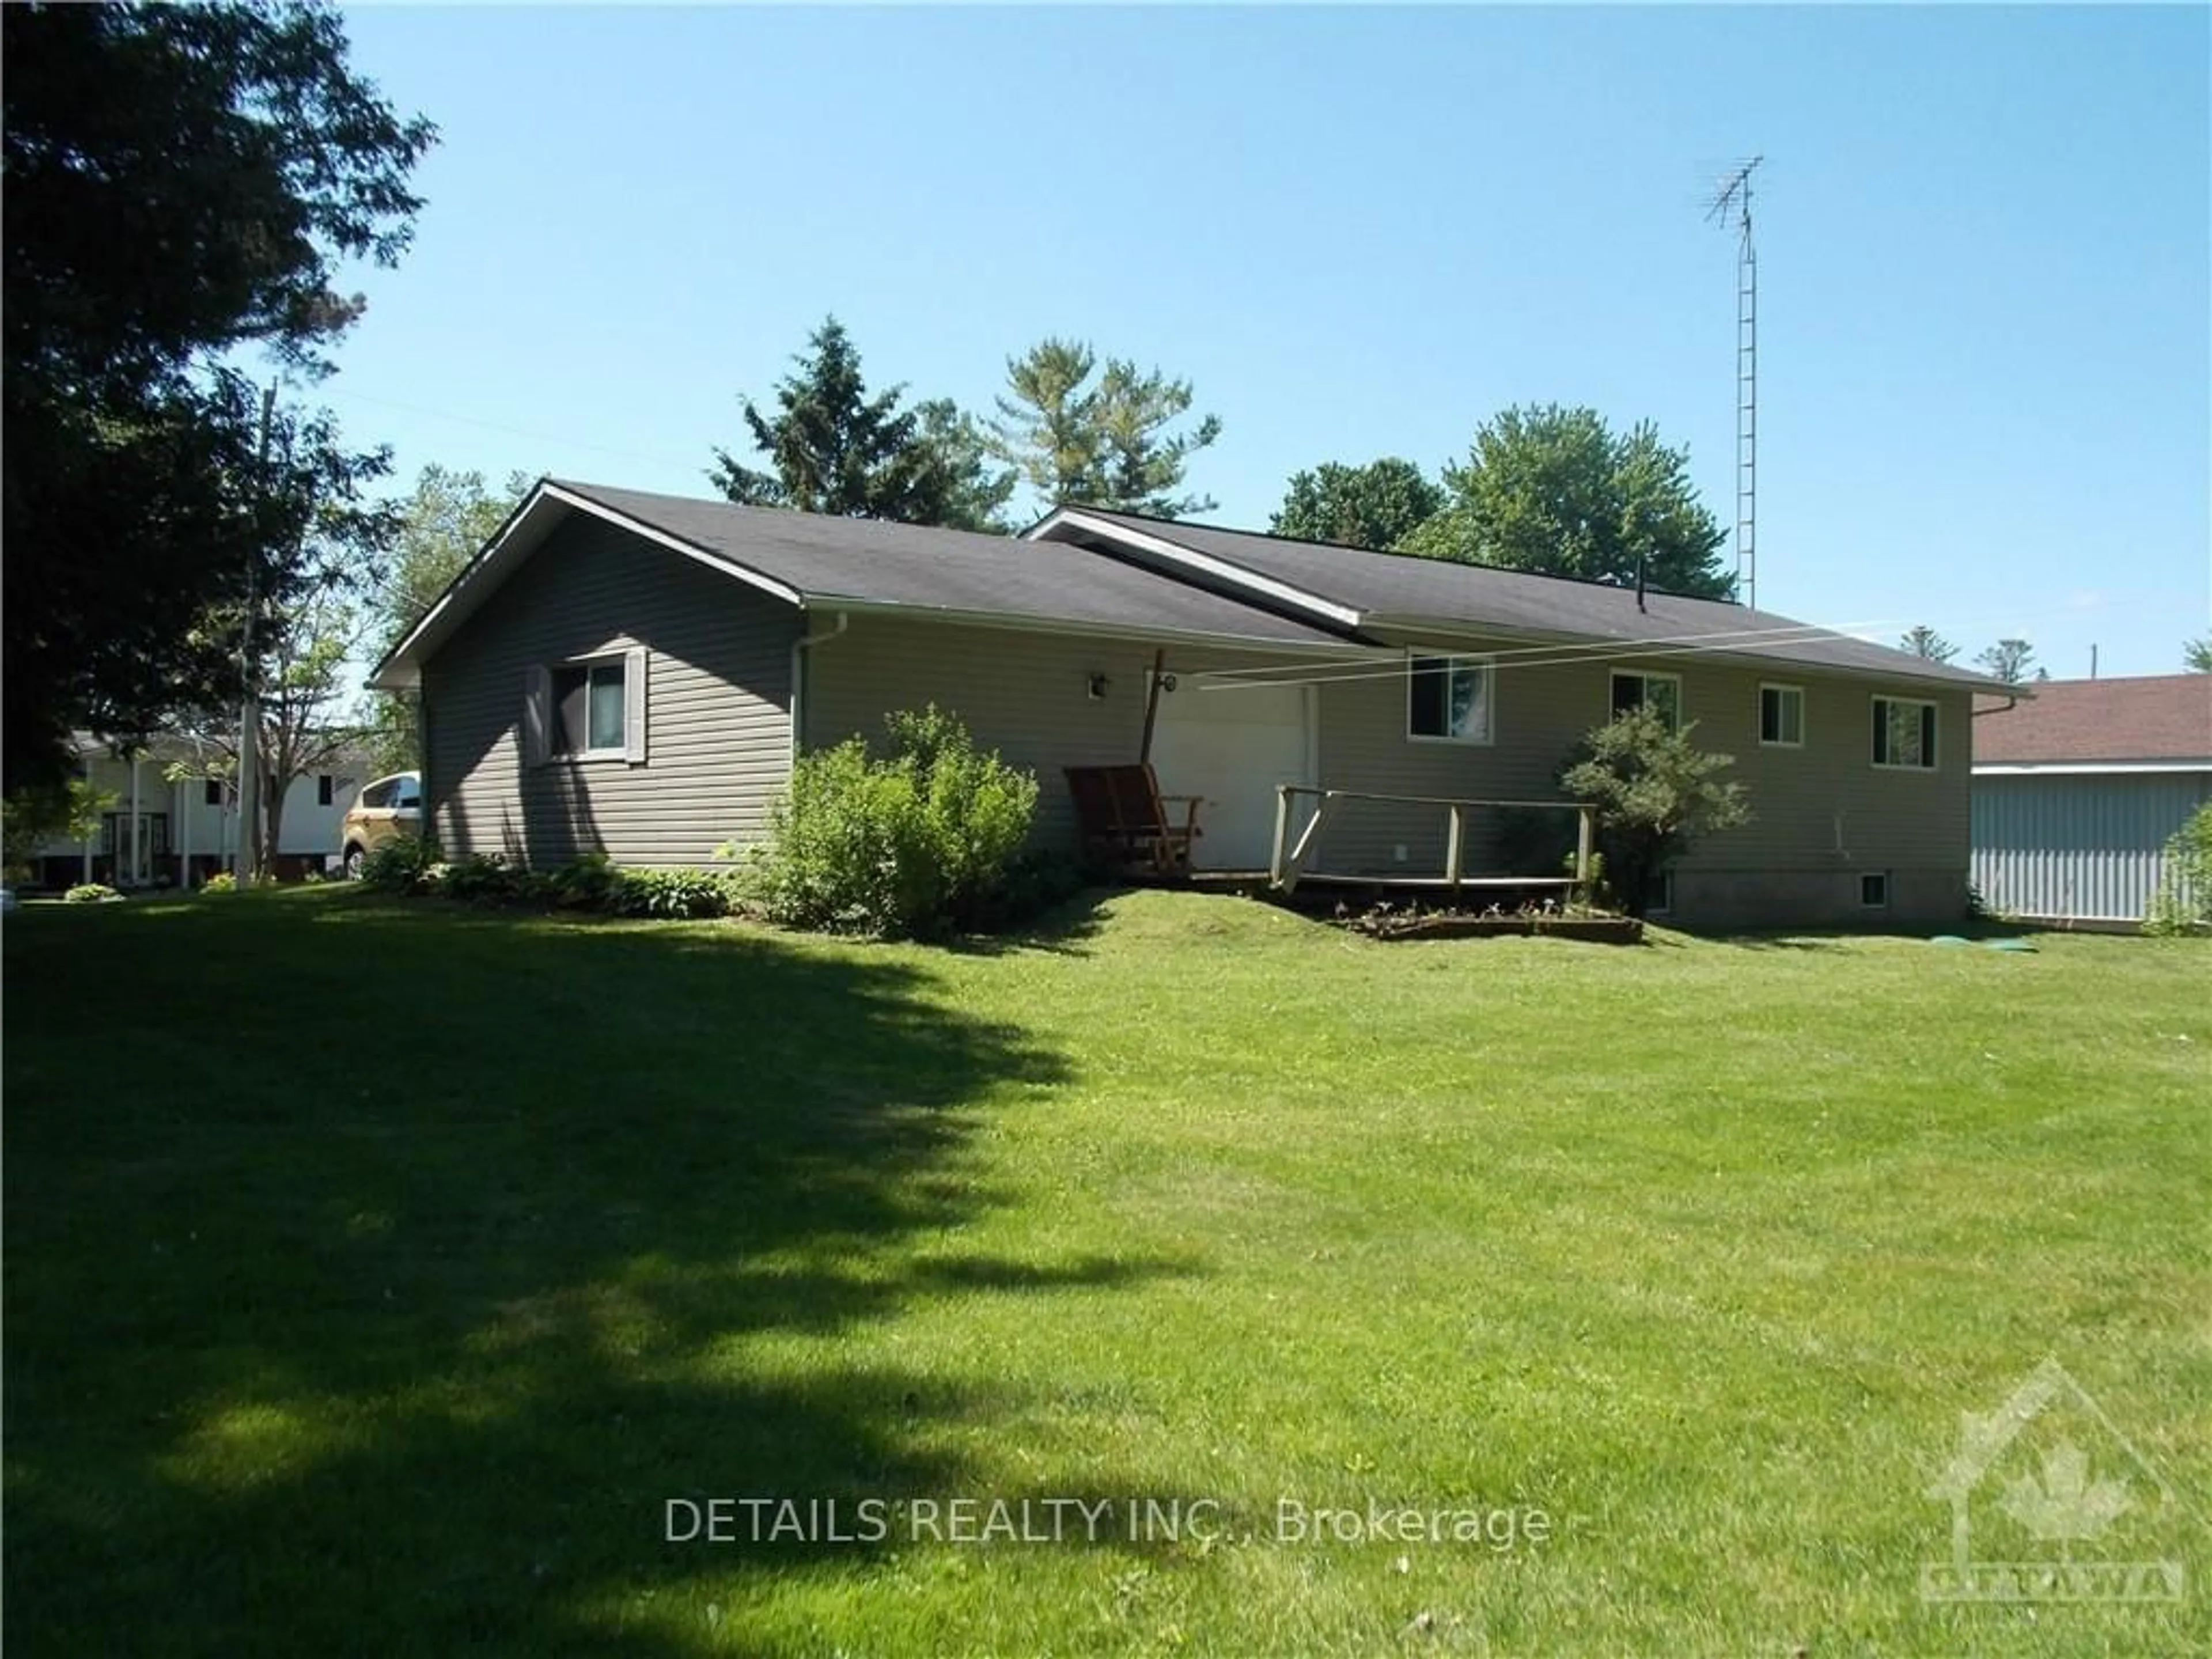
{"points": [[1093, 1520]]}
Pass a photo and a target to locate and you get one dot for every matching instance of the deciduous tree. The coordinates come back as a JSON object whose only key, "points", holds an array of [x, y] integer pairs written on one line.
{"points": [[182, 182], [1555, 490], [309, 626], [440, 526], [1376, 506]]}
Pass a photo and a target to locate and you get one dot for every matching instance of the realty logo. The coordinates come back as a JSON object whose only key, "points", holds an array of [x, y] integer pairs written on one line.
{"points": [[2046, 1486]]}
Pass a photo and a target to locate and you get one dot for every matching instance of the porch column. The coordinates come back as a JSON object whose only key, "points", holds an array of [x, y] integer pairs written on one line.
{"points": [[184, 836]]}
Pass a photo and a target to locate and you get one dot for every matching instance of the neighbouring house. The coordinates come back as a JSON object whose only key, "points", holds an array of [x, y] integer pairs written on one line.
{"points": [[170, 823], [633, 674], [2077, 790]]}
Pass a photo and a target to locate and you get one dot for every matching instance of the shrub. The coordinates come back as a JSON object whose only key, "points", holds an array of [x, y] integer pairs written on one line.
{"points": [[90, 892], [221, 881], [910, 845], [585, 883], [2183, 902], [402, 864], [676, 895], [1656, 793], [480, 878]]}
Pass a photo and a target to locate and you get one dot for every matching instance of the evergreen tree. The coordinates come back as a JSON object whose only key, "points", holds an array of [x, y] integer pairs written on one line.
{"points": [[1923, 640], [832, 448], [1077, 441]]}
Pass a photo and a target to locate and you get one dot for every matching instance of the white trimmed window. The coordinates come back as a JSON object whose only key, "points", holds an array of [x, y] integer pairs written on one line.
{"points": [[1640, 688], [1781, 716], [592, 709], [1905, 734], [1448, 699]]}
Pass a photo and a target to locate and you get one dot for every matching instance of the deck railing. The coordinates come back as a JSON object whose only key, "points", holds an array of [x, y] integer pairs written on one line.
{"points": [[1291, 861]]}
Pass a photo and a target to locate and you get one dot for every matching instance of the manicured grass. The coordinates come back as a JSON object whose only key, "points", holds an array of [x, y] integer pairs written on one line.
{"points": [[376, 1274]]}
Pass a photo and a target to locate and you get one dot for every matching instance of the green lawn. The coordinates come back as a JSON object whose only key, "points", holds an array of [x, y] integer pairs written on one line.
{"points": [[378, 1274]]}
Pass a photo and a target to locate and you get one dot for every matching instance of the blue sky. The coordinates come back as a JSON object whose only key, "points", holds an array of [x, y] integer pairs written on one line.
{"points": [[1984, 239]]}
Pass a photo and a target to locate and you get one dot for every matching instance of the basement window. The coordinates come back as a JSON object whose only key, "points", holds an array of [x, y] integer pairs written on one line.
{"points": [[1874, 890]]}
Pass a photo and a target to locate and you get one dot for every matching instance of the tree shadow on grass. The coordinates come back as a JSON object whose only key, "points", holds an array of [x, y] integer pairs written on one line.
{"points": [[373, 1287]]}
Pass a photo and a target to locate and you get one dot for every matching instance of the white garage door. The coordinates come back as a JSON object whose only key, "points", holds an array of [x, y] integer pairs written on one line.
{"points": [[1230, 743]]}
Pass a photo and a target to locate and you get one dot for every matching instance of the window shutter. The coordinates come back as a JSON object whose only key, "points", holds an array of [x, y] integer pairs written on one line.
{"points": [[1927, 734], [537, 715], [634, 705]]}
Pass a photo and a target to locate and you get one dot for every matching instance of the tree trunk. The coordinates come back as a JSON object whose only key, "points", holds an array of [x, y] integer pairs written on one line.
{"points": [[272, 818]]}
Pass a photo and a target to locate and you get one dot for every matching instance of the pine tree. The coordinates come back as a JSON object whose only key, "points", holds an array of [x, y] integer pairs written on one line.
{"points": [[833, 449], [1103, 443]]}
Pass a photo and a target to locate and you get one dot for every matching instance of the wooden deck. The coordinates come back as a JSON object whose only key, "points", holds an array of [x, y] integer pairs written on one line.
{"points": [[1323, 891]]}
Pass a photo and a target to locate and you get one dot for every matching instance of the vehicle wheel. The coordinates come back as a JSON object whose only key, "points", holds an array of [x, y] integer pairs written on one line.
{"points": [[353, 860]]}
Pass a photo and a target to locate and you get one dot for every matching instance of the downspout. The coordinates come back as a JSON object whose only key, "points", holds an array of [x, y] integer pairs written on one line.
{"points": [[799, 648]]}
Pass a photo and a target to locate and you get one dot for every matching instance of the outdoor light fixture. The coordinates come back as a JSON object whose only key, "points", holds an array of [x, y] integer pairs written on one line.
{"points": [[1098, 685]]}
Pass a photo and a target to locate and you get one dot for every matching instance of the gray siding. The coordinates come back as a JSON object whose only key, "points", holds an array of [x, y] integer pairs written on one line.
{"points": [[718, 716], [2081, 848]]}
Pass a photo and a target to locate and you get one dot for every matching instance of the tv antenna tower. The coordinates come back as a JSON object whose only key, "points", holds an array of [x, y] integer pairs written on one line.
{"points": [[1732, 200]]}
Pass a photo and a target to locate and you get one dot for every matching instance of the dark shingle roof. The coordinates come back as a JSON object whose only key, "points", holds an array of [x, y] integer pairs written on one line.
{"points": [[868, 561], [2162, 717], [1401, 586]]}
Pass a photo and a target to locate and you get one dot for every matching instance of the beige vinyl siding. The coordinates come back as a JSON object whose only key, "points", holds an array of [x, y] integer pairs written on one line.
{"points": [[1891, 818], [718, 724], [1024, 694], [1895, 820], [1535, 714]]}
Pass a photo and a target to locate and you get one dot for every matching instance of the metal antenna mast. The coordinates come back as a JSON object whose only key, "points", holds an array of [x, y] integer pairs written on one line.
{"points": [[1734, 199]]}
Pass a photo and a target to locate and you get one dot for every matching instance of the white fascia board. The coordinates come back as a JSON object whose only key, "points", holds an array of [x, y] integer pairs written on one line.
{"points": [[1071, 629], [1221, 570], [401, 671], [2085, 768]]}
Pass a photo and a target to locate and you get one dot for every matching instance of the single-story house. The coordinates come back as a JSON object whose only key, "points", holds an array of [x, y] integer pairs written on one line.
{"points": [[165, 830], [2076, 792], [633, 674]]}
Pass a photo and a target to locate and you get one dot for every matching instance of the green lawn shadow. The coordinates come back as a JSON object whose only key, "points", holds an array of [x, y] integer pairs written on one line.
{"points": [[378, 1273]]}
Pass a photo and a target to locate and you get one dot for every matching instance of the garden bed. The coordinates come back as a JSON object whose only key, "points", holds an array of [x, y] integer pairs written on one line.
{"points": [[1461, 924]]}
